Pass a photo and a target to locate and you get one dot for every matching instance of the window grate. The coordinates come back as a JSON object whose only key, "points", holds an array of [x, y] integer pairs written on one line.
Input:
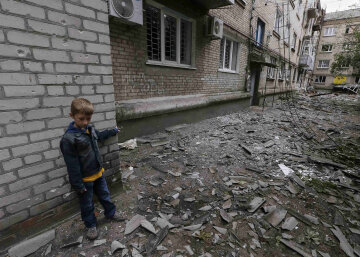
{"points": [[153, 31], [170, 38]]}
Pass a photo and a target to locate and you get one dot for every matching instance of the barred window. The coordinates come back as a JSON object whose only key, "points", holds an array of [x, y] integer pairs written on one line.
{"points": [[169, 36], [271, 70], [326, 48], [320, 79], [324, 64], [228, 55]]}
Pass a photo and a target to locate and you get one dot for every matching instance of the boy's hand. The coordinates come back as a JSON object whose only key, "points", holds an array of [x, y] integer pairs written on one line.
{"points": [[118, 129]]}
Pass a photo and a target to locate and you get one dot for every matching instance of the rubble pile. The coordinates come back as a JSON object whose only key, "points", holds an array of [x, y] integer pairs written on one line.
{"points": [[252, 183]]}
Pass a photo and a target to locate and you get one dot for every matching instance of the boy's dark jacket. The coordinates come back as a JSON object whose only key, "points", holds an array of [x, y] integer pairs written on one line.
{"points": [[81, 152]]}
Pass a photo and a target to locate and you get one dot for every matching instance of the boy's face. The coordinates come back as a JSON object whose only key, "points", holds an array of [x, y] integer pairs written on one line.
{"points": [[81, 120]]}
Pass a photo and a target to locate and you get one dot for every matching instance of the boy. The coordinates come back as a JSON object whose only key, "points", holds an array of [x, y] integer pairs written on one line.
{"points": [[83, 160]]}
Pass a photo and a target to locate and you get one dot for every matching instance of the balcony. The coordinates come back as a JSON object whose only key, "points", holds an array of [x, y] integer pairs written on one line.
{"points": [[213, 4], [306, 62]]}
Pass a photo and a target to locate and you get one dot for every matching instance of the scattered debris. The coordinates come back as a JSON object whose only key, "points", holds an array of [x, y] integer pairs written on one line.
{"points": [[129, 144]]}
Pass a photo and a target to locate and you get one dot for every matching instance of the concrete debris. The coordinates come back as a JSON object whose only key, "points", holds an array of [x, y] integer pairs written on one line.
{"points": [[295, 247], [220, 230], [32, 245], [312, 219], [48, 250], [225, 216], [116, 245], [275, 217], [133, 224], [256, 204], [193, 227], [344, 244], [129, 144], [159, 143], [289, 224], [205, 208], [286, 170], [162, 223], [189, 250], [155, 240], [75, 243], [324, 254], [135, 253], [99, 242], [148, 226], [227, 204]]}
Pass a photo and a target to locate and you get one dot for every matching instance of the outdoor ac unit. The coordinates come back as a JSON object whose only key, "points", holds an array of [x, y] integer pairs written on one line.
{"points": [[128, 11], [215, 27]]}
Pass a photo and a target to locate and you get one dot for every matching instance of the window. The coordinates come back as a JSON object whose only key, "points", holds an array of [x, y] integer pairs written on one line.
{"points": [[282, 71], [324, 64], [169, 37], [320, 79], [229, 51], [306, 47], [293, 42], [326, 48], [271, 70], [349, 29], [345, 63], [260, 31], [328, 32], [278, 21]]}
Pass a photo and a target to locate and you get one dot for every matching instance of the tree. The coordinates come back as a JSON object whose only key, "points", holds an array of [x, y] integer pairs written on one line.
{"points": [[350, 56]]}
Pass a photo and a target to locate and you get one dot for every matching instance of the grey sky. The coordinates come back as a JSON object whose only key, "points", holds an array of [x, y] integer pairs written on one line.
{"points": [[339, 5]]}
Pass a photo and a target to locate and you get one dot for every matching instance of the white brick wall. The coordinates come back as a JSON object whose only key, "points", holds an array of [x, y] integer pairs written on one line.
{"points": [[50, 53]]}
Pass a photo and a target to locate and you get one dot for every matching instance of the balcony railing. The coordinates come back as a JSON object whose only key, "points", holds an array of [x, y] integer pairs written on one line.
{"points": [[306, 62]]}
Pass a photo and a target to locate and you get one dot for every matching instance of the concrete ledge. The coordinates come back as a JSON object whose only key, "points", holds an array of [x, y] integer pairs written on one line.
{"points": [[140, 108]]}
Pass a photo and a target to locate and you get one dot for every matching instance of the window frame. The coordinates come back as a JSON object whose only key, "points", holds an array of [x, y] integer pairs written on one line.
{"points": [[178, 16], [333, 31], [318, 79], [271, 71], [262, 36], [293, 42], [332, 46], [323, 67], [278, 17], [237, 69]]}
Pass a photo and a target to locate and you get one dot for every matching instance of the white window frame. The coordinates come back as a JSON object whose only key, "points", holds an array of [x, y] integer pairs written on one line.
{"points": [[271, 70], [329, 31], [347, 47], [278, 21], [320, 79], [166, 11], [322, 64], [222, 51], [329, 51]]}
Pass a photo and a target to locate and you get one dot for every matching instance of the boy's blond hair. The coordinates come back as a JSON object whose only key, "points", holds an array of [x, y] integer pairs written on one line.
{"points": [[82, 105]]}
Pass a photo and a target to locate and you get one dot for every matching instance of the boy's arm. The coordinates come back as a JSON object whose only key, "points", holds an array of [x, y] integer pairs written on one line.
{"points": [[105, 134], [73, 166]]}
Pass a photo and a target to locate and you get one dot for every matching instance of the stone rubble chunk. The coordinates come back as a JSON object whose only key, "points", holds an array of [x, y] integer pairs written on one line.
{"points": [[227, 204], [355, 231], [225, 216], [99, 242], [116, 245], [189, 250], [135, 253], [133, 224], [155, 240], [48, 250], [289, 224], [29, 246], [193, 227], [256, 204], [344, 244], [162, 223], [148, 226], [312, 219], [295, 247], [275, 217], [286, 236], [297, 180], [220, 230], [286, 170]]}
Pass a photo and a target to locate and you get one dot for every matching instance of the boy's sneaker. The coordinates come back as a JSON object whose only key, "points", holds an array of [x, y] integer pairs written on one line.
{"points": [[92, 233], [117, 217]]}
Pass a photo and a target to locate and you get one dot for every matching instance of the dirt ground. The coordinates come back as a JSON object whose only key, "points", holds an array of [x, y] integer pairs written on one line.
{"points": [[232, 186]]}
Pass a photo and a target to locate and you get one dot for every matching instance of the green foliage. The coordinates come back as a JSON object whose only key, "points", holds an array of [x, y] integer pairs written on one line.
{"points": [[350, 56]]}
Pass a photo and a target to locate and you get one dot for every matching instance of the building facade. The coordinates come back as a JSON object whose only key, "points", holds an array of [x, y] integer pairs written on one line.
{"points": [[335, 37], [51, 52]]}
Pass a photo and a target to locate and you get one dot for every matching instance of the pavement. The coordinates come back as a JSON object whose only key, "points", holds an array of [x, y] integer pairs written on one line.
{"points": [[278, 180]]}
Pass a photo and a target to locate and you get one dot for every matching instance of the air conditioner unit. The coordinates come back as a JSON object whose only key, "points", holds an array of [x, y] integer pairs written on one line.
{"points": [[128, 11], [215, 27]]}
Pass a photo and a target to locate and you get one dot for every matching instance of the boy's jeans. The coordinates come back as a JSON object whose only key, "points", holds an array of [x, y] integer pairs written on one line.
{"points": [[100, 189]]}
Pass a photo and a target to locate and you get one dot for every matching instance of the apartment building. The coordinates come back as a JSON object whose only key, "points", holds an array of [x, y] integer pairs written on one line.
{"points": [[336, 34], [281, 28]]}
